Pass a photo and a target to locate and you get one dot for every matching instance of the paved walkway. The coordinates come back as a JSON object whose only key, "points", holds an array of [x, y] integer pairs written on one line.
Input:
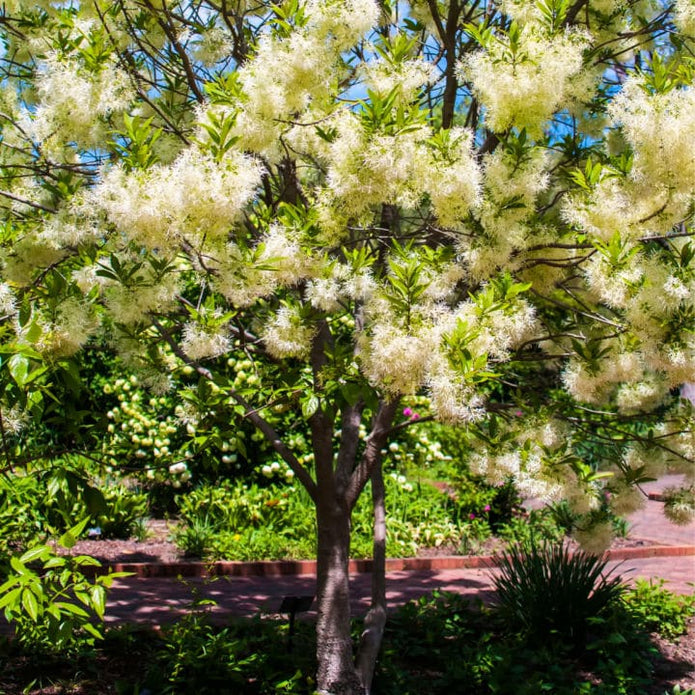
{"points": [[161, 600]]}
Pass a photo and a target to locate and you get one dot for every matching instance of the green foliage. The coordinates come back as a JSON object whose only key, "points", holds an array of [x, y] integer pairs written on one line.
{"points": [[236, 520], [51, 604], [441, 644], [250, 657], [38, 502], [656, 609], [124, 509], [239, 521], [196, 657], [438, 644], [540, 525], [547, 592]]}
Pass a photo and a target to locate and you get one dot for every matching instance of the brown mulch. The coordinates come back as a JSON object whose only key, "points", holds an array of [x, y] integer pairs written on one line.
{"points": [[157, 546], [675, 664]]}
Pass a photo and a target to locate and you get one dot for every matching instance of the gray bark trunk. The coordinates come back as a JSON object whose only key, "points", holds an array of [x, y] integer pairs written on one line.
{"points": [[336, 673], [375, 620]]}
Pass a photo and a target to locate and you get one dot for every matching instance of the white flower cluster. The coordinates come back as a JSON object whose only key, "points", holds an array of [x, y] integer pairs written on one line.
{"points": [[200, 343], [368, 169], [213, 45], [8, 302], [408, 77], [524, 85], [278, 260], [614, 284], [595, 538], [62, 334], [131, 304], [289, 75], [73, 103], [402, 482], [395, 358], [659, 128], [13, 419], [285, 335], [621, 369], [276, 468], [527, 468], [614, 206], [339, 284], [530, 459], [679, 505], [402, 357], [194, 198], [684, 16]]}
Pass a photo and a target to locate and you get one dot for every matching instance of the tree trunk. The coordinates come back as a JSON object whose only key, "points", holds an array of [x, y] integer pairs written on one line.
{"points": [[336, 673], [375, 620]]}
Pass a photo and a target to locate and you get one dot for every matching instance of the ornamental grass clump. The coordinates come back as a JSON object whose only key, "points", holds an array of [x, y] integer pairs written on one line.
{"points": [[546, 591]]}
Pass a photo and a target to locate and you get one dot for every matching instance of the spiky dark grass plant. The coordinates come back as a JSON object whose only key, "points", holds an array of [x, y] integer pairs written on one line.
{"points": [[547, 591]]}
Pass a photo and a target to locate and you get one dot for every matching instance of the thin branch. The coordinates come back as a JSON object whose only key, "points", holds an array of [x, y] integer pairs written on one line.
{"points": [[249, 413]]}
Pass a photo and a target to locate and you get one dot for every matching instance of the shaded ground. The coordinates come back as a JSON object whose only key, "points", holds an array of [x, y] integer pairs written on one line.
{"points": [[155, 601]]}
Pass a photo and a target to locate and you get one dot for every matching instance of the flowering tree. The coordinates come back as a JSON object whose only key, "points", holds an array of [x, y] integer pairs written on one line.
{"points": [[488, 203]]}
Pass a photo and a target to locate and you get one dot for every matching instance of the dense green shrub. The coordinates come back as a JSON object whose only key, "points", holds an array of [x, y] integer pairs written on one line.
{"points": [[442, 644], [51, 603], [659, 610], [248, 521], [548, 592]]}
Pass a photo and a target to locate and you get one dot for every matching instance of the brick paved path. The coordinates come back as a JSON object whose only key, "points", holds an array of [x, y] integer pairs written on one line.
{"points": [[159, 600]]}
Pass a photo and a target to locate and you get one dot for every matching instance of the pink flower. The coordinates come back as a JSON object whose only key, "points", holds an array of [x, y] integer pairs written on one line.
{"points": [[407, 412], [518, 413], [487, 507], [415, 416], [471, 516]]}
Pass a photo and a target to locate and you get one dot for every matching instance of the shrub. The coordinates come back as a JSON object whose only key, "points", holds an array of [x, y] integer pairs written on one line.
{"points": [[659, 610], [547, 590], [50, 602], [123, 509]]}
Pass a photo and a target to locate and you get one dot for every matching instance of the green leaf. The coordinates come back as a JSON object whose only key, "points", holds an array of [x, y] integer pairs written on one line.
{"points": [[54, 562], [72, 608], [18, 566], [11, 598], [69, 538], [94, 500], [39, 552], [99, 600], [19, 369], [30, 604], [92, 630], [351, 392], [310, 406]]}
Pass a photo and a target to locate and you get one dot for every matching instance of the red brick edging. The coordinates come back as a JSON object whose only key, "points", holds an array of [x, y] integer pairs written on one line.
{"points": [[279, 568]]}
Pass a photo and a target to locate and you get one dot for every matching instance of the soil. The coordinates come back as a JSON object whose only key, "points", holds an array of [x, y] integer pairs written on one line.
{"points": [[675, 664], [157, 546]]}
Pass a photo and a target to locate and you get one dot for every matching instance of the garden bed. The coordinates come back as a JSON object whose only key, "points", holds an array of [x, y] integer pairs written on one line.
{"points": [[159, 548]]}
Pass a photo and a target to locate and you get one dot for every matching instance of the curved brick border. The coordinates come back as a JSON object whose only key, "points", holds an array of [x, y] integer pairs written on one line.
{"points": [[292, 567]]}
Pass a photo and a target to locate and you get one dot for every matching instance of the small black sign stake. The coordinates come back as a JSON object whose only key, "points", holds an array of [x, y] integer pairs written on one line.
{"points": [[293, 605]]}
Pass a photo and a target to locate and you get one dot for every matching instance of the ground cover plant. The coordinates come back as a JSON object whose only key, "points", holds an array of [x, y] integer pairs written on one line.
{"points": [[437, 644], [304, 216]]}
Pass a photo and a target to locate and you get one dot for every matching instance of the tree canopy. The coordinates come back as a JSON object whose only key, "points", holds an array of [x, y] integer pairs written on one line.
{"points": [[488, 203]]}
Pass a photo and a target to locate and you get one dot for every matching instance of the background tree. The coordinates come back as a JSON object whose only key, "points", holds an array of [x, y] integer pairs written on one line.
{"points": [[487, 203]]}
